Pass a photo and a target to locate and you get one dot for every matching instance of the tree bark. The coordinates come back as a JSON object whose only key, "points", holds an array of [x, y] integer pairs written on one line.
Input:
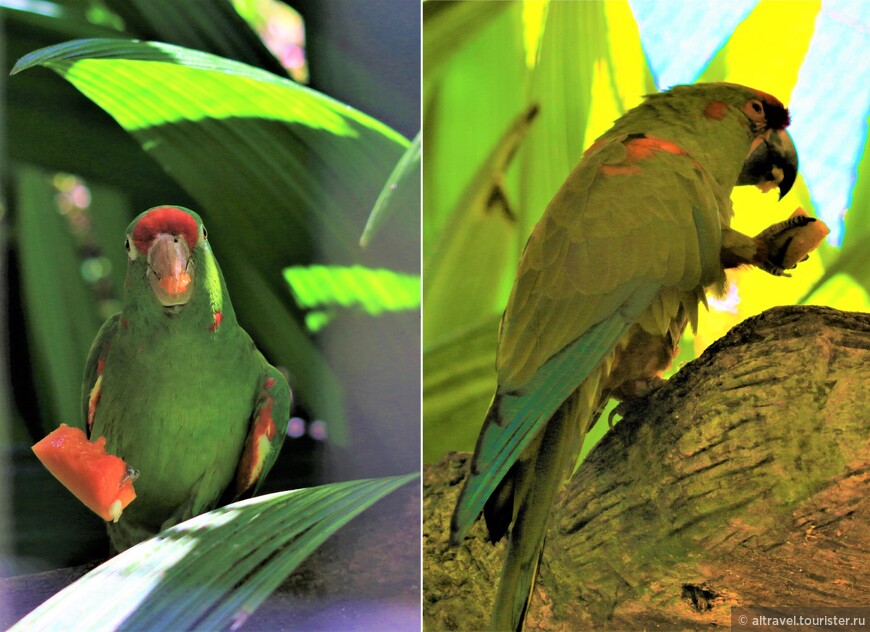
{"points": [[742, 481]]}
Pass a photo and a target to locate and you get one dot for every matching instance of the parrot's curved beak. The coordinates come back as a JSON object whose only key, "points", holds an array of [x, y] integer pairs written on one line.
{"points": [[772, 162], [169, 271]]}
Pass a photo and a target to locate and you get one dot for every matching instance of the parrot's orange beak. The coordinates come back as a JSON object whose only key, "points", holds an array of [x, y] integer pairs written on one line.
{"points": [[169, 270]]}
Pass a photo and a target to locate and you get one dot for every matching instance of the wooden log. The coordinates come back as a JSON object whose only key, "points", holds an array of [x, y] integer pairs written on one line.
{"points": [[743, 481]]}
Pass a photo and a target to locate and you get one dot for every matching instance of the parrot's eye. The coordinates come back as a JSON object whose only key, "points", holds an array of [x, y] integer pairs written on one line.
{"points": [[754, 109], [131, 252], [204, 233]]}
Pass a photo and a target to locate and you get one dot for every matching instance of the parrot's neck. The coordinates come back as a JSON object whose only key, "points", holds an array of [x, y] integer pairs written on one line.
{"points": [[209, 311], [719, 144]]}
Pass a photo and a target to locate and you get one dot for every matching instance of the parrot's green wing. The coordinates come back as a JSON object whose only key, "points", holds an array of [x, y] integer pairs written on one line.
{"points": [[620, 230], [267, 430], [92, 381]]}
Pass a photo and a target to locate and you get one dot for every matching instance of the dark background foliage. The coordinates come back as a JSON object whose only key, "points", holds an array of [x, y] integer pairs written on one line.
{"points": [[360, 374]]}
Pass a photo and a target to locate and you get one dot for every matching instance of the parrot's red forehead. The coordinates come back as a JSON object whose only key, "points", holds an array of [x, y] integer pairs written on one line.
{"points": [[766, 97], [165, 219]]}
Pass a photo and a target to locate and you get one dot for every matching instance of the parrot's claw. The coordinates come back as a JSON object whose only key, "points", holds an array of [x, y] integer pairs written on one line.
{"points": [[627, 407], [774, 230], [131, 475], [772, 268], [638, 400], [775, 245]]}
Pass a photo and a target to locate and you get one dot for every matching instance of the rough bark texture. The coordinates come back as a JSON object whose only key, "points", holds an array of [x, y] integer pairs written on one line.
{"points": [[743, 481]]}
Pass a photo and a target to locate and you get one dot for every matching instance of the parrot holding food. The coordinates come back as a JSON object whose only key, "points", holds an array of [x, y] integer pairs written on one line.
{"points": [[610, 277], [176, 386]]}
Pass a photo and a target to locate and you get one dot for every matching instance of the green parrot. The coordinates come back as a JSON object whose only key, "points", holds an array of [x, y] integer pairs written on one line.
{"points": [[611, 275], [176, 385]]}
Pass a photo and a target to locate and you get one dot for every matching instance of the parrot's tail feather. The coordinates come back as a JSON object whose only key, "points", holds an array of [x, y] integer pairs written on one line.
{"points": [[499, 508], [536, 486], [463, 517]]}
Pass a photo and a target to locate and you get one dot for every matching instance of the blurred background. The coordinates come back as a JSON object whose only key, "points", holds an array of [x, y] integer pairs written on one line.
{"points": [[285, 182], [515, 91]]}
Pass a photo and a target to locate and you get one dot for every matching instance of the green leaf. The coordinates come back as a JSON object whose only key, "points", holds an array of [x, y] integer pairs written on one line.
{"points": [[402, 190], [239, 138], [468, 269], [281, 173], [575, 31], [313, 381], [211, 571], [468, 107], [213, 26], [64, 16], [458, 383], [373, 291], [449, 25], [52, 284], [854, 256]]}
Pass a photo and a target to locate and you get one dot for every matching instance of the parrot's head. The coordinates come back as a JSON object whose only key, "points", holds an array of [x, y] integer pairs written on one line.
{"points": [[772, 159], [711, 111], [162, 245]]}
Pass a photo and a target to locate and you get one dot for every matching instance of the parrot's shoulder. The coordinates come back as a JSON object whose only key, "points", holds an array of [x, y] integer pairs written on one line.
{"points": [[638, 210], [108, 329], [268, 427], [91, 380]]}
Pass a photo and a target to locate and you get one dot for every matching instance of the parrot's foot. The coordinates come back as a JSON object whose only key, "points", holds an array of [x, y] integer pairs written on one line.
{"points": [[637, 399], [777, 239], [124, 534], [193, 506], [774, 231]]}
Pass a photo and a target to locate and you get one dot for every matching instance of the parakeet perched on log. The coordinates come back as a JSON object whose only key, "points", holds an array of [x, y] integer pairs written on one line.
{"points": [[176, 385], [610, 277]]}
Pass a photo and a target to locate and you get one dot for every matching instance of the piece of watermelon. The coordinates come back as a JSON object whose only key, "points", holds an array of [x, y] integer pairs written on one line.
{"points": [[102, 481]]}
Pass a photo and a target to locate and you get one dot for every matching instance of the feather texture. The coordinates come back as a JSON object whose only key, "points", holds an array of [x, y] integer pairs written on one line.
{"points": [[610, 277], [180, 390]]}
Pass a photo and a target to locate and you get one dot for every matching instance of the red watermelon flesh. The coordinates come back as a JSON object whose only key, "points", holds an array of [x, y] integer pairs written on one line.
{"points": [[102, 481]]}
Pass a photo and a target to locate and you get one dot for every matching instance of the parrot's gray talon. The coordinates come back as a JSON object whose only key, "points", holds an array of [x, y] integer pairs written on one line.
{"points": [[778, 259], [636, 401], [613, 413], [772, 268], [626, 407], [800, 221], [131, 475], [770, 233]]}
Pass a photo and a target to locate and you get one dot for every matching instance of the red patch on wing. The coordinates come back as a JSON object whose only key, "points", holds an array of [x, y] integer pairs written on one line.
{"points": [[715, 110], [253, 456], [165, 219], [94, 397], [643, 148], [218, 319], [125, 323], [620, 170], [92, 404], [638, 149]]}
